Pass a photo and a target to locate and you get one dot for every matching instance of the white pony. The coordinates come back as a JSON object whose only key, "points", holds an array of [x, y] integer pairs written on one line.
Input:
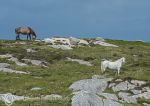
{"points": [[116, 65]]}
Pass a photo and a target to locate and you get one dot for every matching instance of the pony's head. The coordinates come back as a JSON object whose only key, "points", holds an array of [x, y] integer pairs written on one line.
{"points": [[123, 59], [33, 33]]}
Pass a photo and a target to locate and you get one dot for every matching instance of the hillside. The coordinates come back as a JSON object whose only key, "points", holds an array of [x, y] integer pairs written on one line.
{"points": [[56, 74]]}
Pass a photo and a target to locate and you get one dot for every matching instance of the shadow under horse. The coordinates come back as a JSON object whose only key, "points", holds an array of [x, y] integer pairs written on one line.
{"points": [[25, 31]]}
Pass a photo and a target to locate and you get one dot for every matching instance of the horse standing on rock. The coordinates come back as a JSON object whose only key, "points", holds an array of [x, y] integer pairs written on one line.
{"points": [[25, 31]]}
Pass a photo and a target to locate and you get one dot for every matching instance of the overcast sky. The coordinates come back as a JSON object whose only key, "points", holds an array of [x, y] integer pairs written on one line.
{"points": [[116, 19]]}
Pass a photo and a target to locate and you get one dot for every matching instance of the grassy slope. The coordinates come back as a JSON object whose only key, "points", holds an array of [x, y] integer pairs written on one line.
{"points": [[60, 74]]}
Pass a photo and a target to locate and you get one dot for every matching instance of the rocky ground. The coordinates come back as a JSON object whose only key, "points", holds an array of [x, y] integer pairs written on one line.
{"points": [[36, 74]]}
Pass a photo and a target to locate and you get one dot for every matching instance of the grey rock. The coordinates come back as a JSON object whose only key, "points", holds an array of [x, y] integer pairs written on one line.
{"points": [[109, 102], [146, 89], [99, 39], [98, 77], [104, 44], [145, 95], [111, 85], [109, 96], [137, 82], [10, 98], [52, 97], [17, 62], [35, 62], [74, 41], [6, 56], [135, 92], [84, 98], [83, 42], [36, 89], [118, 80], [146, 104], [13, 71], [80, 61], [63, 47], [4, 65], [91, 85], [127, 98], [30, 51], [122, 86]]}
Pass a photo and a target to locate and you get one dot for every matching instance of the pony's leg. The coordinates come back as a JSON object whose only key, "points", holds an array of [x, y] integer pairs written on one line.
{"points": [[118, 70], [27, 37], [17, 37], [103, 68], [30, 37]]}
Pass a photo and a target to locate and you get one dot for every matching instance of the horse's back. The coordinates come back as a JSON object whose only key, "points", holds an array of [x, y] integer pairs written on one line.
{"points": [[23, 30]]}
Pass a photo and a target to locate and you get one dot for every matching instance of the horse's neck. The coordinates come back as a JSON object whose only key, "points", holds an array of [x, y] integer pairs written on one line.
{"points": [[119, 61]]}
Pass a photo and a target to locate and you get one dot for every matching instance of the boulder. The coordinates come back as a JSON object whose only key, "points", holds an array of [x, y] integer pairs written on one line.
{"points": [[90, 85], [12, 71], [99, 39], [83, 42], [84, 98], [6, 56], [63, 47], [137, 82], [74, 41], [127, 98], [10, 98], [80, 61], [30, 51], [104, 44], [4, 65], [123, 86], [36, 88], [17, 61]]}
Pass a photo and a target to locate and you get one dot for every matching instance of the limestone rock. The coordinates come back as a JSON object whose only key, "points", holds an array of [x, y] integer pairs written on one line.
{"points": [[52, 97], [36, 89], [63, 47], [10, 98], [109, 96], [17, 62], [30, 51], [6, 56], [127, 98], [4, 65], [84, 98], [122, 86], [146, 104], [91, 85], [80, 61], [135, 92], [109, 102], [137, 82], [35, 62], [13, 71]]}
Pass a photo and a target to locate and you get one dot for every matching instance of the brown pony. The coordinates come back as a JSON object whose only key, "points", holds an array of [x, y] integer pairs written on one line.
{"points": [[25, 31]]}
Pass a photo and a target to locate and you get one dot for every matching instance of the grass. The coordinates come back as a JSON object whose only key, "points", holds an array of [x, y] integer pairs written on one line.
{"points": [[60, 73]]}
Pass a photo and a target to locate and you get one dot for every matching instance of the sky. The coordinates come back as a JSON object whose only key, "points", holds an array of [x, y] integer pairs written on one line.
{"points": [[113, 19]]}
